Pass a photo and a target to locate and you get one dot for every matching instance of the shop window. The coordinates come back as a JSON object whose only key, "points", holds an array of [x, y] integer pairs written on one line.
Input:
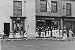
{"points": [[53, 6], [55, 24], [17, 8], [18, 25], [68, 9], [43, 5]]}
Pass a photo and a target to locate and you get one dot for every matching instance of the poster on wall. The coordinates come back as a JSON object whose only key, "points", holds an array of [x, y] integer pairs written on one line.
{"points": [[49, 5]]}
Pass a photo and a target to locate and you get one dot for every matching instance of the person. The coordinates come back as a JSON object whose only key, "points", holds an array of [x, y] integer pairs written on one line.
{"points": [[25, 34], [57, 34], [49, 33], [64, 35], [11, 34], [17, 34], [39, 32], [3, 34], [53, 34], [70, 35], [60, 33]]}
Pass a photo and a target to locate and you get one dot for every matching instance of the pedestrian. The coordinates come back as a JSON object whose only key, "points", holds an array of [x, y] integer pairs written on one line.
{"points": [[25, 34], [64, 35], [70, 35], [39, 32], [3, 34], [53, 34], [11, 35]]}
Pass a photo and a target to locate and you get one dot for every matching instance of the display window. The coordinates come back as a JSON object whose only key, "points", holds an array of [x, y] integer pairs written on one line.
{"points": [[18, 26], [46, 27], [55, 24]]}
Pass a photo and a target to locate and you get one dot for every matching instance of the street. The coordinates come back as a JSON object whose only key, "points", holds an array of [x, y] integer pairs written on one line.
{"points": [[37, 45]]}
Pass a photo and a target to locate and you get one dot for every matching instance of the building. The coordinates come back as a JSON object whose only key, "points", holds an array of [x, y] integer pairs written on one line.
{"points": [[17, 15], [28, 15], [56, 14]]}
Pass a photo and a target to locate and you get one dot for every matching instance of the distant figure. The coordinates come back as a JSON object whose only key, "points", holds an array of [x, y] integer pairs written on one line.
{"points": [[25, 34], [61, 33], [39, 32], [11, 34], [70, 34], [3, 34], [65, 35]]}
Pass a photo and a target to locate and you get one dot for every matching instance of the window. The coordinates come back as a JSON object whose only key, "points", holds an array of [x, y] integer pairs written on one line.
{"points": [[17, 8], [54, 6], [18, 24], [43, 6], [68, 9]]}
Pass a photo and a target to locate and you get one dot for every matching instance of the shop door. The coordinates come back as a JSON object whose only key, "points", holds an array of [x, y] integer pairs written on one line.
{"points": [[7, 28]]}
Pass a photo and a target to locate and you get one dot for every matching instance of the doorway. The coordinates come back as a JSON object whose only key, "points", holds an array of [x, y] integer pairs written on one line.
{"points": [[7, 28]]}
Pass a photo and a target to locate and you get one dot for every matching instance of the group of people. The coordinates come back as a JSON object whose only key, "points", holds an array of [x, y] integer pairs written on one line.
{"points": [[56, 33], [43, 32], [67, 35]]}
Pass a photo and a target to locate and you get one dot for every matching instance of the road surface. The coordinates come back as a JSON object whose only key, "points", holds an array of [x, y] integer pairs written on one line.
{"points": [[37, 45]]}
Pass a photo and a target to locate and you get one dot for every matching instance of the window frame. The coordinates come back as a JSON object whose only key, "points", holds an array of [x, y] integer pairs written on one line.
{"points": [[68, 8], [17, 9], [54, 2], [43, 4]]}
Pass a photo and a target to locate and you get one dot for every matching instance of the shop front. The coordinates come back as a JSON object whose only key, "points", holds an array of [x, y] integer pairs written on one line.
{"points": [[69, 23], [53, 26], [18, 27], [47, 26]]}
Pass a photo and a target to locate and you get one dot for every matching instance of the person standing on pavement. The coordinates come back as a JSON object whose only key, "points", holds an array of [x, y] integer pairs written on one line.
{"points": [[70, 34], [64, 34], [39, 32]]}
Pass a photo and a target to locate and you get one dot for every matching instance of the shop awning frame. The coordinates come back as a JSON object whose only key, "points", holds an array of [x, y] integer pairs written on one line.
{"points": [[63, 17], [17, 17]]}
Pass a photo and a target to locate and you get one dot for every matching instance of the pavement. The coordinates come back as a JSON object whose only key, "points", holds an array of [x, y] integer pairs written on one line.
{"points": [[32, 44]]}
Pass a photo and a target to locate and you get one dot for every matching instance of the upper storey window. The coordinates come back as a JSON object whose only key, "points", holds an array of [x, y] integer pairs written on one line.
{"points": [[53, 6], [17, 8], [43, 5], [48, 6], [68, 9]]}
